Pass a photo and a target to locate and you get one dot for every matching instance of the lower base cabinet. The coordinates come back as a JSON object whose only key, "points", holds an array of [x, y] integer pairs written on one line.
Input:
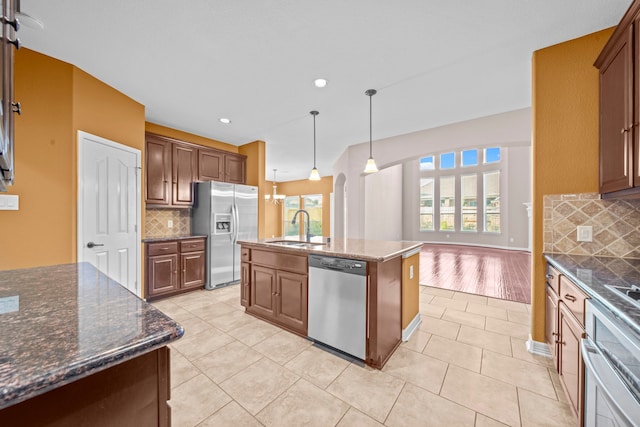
{"points": [[174, 266], [132, 393], [564, 330], [278, 295]]}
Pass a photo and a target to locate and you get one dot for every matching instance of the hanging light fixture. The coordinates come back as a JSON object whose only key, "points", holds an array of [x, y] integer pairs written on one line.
{"points": [[315, 175], [275, 197], [371, 164]]}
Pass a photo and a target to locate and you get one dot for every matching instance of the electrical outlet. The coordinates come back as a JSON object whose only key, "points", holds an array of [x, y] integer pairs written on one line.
{"points": [[585, 233], [170, 223], [411, 272]]}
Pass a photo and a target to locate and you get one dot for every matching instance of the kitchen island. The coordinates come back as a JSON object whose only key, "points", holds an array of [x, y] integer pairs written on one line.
{"points": [[77, 348], [275, 286]]}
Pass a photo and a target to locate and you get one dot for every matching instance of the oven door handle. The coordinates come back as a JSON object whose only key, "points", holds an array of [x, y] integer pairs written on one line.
{"points": [[625, 405]]}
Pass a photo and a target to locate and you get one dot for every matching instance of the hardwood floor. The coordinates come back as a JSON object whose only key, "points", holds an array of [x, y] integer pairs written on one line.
{"points": [[494, 273]]}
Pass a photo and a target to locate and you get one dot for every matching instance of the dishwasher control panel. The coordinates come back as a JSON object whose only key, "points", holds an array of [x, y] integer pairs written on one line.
{"points": [[349, 266]]}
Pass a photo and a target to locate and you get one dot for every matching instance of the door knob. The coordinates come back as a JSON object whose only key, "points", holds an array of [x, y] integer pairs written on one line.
{"points": [[93, 245]]}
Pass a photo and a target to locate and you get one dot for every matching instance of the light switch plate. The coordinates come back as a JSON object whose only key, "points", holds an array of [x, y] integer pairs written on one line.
{"points": [[585, 233], [9, 202], [170, 223]]}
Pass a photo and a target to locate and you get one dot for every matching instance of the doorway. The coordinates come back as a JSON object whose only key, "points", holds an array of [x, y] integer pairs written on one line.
{"points": [[109, 209]]}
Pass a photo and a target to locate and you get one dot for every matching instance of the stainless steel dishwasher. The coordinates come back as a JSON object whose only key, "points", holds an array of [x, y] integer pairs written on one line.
{"points": [[338, 303]]}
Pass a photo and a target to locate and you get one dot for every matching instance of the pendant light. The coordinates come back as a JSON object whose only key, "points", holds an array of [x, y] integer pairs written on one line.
{"points": [[314, 176], [371, 164], [275, 198]]}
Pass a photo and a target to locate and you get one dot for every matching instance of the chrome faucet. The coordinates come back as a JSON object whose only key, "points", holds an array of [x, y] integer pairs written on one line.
{"points": [[293, 222]]}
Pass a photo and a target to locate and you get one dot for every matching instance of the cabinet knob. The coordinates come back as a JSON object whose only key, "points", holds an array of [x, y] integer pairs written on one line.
{"points": [[570, 298], [555, 334], [16, 108], [549, 276]]}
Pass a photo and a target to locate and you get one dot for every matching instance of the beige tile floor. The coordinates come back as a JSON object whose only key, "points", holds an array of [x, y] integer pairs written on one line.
{"points": [[467, 365]]}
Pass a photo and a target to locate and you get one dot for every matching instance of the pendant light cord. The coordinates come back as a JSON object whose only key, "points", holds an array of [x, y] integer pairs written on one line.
{"points": [[314, 139], [370, 93]]}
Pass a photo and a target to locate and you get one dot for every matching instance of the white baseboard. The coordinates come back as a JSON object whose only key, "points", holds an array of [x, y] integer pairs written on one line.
{"points": [[538, 348], [406, 333]]}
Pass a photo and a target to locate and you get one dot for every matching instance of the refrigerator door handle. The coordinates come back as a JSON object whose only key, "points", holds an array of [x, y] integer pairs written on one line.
{"points": [[236, 220]]}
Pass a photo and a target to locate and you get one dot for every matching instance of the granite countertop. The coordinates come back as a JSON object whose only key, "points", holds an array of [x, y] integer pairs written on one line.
{"points": [[169, 238], [361, 249], [594, 274], [65, 322]]}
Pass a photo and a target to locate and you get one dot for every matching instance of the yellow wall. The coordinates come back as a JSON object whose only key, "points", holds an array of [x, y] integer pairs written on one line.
{"points": [[565, 138], [273, 213], [256, 160], [58, 100]]}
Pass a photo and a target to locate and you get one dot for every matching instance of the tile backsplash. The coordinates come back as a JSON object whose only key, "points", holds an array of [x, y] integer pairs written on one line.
{"points": [[615, 225], [156, 222]]}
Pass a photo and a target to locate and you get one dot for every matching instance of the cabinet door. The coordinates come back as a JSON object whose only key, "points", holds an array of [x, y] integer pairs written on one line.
{"points": [[184, 167], [158, 172], [193, 264], [210, 165], [262, 292], [245, 282], [163, 274], [616, 117], [235, 168], [291, 302], [551, 324], [571, 367]]}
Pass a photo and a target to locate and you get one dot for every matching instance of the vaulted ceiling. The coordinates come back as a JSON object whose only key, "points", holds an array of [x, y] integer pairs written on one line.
{"points": [[254, 62]]}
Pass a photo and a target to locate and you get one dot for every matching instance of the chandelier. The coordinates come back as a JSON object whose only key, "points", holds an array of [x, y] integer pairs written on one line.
{"points": [[275, 198]]}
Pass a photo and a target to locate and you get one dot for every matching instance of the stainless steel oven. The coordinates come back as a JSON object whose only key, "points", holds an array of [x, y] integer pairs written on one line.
{"points": [[611, 354]]}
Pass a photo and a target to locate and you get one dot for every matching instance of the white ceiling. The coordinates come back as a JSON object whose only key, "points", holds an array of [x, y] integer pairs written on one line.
{"points": [[254, 61]]}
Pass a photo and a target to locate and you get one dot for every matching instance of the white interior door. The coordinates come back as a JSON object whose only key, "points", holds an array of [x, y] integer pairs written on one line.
{"points": [[109, 208]]}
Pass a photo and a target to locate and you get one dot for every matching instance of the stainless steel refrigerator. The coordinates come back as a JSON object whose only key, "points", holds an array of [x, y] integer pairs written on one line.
{"points": [[225, 213]]}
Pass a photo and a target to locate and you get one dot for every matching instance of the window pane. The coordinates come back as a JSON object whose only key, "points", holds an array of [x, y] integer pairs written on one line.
{"points": [[426, 164], [426, 204], [313, 205], [470, 158], [447, 203], [447, 161], [492, 155], [492, 202], [469, 190], [291, 205]]}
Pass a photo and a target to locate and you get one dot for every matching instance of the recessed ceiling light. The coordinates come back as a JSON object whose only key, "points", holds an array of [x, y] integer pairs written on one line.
{"points": [[320, 82], [224, 120]]}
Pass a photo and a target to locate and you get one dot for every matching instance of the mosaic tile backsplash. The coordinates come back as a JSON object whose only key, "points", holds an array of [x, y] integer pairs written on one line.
{"points": [[616, 225], [156, 221]]}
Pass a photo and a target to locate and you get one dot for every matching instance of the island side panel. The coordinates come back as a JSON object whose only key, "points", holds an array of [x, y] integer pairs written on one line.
{"points": [[134, 392], [410, 289], [385, 310]]}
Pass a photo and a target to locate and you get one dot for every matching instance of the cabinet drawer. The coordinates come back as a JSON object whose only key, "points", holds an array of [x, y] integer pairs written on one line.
{"points": [[191, 245], [280, 261], [162, 248], [553, 279], [245, 254], [573, 298]]}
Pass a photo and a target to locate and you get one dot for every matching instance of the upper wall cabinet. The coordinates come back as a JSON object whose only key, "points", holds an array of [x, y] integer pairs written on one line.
{"points": [[172, 166], [619, 66]]}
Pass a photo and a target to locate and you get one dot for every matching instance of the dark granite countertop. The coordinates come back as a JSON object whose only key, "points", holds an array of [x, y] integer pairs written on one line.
{"points": [[594, 274], [61, 323], [169, 238]]}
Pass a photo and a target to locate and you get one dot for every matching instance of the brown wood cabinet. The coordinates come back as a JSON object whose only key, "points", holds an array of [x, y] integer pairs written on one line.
{"points": [[185, 164], [132, 393], [158, 171], [277, 289], [216, 165], [174, 266], [571, 366], [172, 166], [274, 287], [619, 68], [564, 329]]}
